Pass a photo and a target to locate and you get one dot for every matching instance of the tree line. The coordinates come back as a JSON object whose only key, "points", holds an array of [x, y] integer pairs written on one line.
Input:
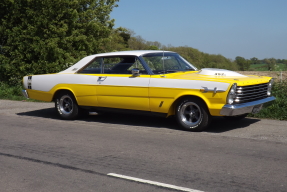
{"points": [[244, 64], [47, 36]]}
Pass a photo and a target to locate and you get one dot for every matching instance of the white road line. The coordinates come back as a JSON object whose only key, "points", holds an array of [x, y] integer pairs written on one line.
{"points": [[153, 183]]}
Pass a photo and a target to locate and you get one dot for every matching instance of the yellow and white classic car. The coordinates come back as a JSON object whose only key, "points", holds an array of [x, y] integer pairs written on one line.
{"points": [[153, 82]]}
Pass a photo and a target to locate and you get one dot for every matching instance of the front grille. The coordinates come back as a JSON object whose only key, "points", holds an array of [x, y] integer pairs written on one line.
{"points": [[250, 93]]}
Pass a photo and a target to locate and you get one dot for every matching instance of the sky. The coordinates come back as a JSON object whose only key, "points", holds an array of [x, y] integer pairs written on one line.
{"points": [[246, 28]]}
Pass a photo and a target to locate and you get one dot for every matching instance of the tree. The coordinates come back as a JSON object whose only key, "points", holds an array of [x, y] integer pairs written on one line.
{"points": [[153, 47], [44, 36], [254, 60], [137, 43], [271, 63], [118, 40], [242, 63]]}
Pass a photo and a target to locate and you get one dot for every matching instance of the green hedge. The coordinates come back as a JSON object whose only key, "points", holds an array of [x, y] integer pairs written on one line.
{"points": [[278, 109], [11, 92]]}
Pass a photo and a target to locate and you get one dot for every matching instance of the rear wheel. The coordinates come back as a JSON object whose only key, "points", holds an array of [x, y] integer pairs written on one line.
{"points": [[66, 105], [192, 114]]}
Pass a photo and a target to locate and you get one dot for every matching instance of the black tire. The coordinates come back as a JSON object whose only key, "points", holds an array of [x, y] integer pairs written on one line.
{"points": [[66, 105], [235, 118], [192, 114]]}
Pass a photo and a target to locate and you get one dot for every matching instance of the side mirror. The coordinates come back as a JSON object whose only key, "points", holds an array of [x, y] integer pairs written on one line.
{"points": [[136, 72]]}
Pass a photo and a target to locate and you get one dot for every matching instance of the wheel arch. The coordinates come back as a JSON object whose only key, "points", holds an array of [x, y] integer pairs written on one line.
{"points": [[171, 110], [58, 91]]}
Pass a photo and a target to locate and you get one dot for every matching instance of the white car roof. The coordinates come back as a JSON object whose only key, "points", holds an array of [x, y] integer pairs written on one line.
{"points": [[133, 52], [74, 68]]}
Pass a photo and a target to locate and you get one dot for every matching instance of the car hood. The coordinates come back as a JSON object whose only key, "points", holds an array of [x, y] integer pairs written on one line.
{"points": [[220, 75]]}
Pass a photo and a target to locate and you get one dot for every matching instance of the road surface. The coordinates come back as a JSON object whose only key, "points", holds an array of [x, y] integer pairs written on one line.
{"points": [[113, 152]]}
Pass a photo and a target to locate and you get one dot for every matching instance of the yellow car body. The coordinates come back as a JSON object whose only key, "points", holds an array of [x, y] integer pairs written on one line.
{"points": [[147, 91]]}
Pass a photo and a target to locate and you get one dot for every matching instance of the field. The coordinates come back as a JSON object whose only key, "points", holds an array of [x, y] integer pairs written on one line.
{"points": [[264, 67], [277, 75]]}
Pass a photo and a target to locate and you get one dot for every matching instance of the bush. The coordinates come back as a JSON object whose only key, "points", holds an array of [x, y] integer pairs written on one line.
{"points": [[10, 92], [278, 109]]}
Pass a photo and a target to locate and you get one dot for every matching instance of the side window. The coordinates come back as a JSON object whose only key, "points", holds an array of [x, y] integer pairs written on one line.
{"points": [[121, 65], [114, 65], [93, 67], [109, 64]]}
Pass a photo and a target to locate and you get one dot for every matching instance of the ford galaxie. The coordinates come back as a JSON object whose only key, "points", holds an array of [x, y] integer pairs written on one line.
{"points": [[152, 82]]}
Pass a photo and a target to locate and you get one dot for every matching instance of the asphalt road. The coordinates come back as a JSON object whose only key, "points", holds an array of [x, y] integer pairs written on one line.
{"points": [[39, 152]]}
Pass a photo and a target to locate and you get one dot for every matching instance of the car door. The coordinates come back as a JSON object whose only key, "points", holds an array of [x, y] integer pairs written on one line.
{"points": [[118, 88]]}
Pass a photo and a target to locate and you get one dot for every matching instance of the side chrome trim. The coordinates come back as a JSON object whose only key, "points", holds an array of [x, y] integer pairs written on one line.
{"points": [[215, 90], [25, 94], [238, 109]]}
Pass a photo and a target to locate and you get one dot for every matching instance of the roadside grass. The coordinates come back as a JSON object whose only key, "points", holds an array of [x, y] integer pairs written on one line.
{"points": [[277, 110]]}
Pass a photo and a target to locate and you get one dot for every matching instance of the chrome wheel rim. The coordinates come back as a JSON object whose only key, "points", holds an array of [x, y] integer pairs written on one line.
{"points": [[190, 114], [65, 105]]}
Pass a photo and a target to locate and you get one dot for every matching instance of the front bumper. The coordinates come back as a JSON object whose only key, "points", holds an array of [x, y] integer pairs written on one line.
{"points": [[25, 94], [251, 107]]}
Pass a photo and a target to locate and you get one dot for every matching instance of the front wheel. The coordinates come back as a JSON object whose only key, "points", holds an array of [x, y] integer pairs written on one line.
{"points": [[192, 114], [66, 105]]}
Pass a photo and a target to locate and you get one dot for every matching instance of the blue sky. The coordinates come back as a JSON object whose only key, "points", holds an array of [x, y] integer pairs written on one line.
{"points": [[247, 28]]}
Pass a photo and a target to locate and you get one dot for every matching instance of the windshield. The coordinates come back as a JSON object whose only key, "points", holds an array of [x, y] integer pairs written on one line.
{"points": [[167, 62]]}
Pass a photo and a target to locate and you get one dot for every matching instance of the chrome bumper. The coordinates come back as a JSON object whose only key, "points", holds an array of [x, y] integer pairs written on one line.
{"points": [[25, 94], [251, 107]]}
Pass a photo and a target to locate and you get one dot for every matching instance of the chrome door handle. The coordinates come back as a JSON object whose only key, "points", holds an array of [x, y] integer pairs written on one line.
{"points": [[102, 78]]}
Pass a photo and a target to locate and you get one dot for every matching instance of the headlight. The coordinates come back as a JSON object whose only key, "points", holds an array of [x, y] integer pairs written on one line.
{"points": [[270, 87], [232, 94]]}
